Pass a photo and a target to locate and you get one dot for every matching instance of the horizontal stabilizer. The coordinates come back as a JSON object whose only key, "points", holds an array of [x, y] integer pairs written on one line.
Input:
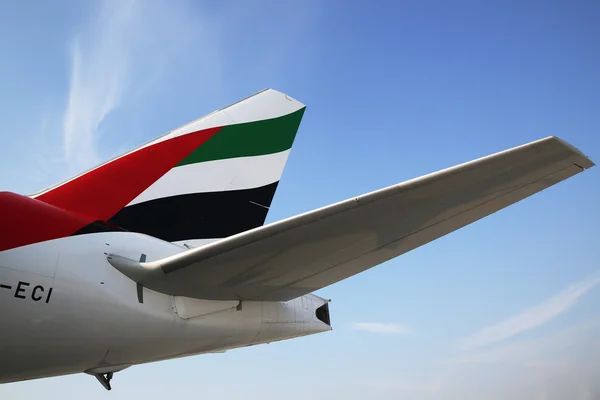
{"points": [[298, 255]]}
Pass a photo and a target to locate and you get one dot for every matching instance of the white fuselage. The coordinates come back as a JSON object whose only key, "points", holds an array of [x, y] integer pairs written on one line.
{"points": [[65, 309]]}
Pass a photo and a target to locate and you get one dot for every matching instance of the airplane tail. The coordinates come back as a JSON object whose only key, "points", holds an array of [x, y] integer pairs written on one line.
{"points": [[210, 179]]}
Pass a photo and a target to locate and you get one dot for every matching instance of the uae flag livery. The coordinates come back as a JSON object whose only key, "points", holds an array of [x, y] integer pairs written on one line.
{"points": [[209, 179]]}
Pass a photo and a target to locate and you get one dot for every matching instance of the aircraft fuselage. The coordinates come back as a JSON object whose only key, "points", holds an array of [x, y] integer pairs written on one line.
{"points": [[66, 310]]}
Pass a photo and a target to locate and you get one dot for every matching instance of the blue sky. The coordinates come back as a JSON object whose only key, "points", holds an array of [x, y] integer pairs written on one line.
{"points": [[504, 308]]}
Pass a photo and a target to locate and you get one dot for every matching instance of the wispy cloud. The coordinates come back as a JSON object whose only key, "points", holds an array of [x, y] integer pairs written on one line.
{"points": [[100, 74], [380, 328], [534, 352], [534, 316], [558, 365], [128, 56], [123, 50]]}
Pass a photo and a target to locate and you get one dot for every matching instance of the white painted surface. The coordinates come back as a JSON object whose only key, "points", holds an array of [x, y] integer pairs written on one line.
{"points": [[216, 176], [187, 308], [263, 105], [93, 320]]}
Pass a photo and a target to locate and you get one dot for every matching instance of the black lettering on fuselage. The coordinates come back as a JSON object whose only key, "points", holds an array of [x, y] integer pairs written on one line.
{"points": [[33, 294], [37, 294], [20, 290], [49, 293]]}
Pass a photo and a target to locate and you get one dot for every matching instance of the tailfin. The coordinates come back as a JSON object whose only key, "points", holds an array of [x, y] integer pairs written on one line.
{"points": [[209, 179]]}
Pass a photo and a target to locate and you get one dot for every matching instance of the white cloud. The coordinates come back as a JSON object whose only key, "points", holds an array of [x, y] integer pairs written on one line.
{"points": [[121, 52], [100, 74], [128, 56], [534, 316], [559, 365], [535, 352], [380, 328]]}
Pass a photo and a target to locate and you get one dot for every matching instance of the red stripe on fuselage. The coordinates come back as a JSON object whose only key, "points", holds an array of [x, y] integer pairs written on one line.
{"points": [[24, 221], [102, 192]]}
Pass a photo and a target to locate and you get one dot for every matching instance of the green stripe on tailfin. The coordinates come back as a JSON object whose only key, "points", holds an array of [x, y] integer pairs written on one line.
{"points": [[249, 139]]}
